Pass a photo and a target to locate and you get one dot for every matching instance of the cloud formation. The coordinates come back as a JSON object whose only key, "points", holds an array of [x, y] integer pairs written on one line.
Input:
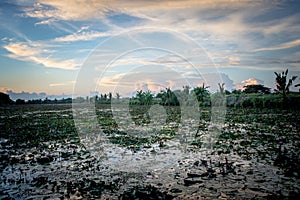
{"points": [[23, 51], [84, 9], [250, 81], [82, 36], [286, 45], [127, 83], [236, 34]]}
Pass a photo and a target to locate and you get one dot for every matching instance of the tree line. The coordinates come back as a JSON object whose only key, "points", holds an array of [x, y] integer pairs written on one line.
{"points": [[168, 97]]}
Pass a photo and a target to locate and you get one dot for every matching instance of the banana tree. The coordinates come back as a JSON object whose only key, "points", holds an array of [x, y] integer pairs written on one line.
{"points": [[282, 84]]}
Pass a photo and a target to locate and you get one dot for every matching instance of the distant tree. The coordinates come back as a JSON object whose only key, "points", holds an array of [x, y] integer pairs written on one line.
{"points": [[140, 96], [258, 89], [148, 97], [4, 98], [186, 89], [46, 100], [235, 91], [227, 92], [168, 97], [201, 92], [117, 95], [222, 88], [282, 84], [144, 98], [20, 101], [77, 100]]}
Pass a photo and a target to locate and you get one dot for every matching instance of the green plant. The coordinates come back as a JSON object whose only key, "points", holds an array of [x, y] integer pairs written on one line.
{"points": [[259, 89], [282, 84], [201, 92]]}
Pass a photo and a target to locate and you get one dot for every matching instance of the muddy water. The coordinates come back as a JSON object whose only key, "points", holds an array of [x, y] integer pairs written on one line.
{"points": [[64, 169], [73, 173]]}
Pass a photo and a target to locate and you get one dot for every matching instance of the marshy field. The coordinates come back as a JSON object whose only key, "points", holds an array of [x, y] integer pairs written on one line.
{"points": [[256, 156]]}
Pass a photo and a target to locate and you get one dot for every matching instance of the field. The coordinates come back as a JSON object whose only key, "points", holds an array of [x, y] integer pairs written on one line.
{"points": [[43, 156]]}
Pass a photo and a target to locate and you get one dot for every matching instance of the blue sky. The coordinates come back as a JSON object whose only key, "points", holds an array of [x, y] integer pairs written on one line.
{"points": [[44, 44]]}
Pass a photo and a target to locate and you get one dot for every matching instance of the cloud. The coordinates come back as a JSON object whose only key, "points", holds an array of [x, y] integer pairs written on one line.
{"points": [[44, 22], [160, 78], [250, 81], [34, 53], [61, 84], [21, 50], [83, 28], [84, 9], [79, 36], [234, 60], [221, 21], [4, 89], [67, 10], [285, 45]]}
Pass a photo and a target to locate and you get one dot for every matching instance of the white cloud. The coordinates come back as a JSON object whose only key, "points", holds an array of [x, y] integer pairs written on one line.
{"points": [[84, 9], [20, 50], [61, 84], [47, 21], [285, 45], [34, 53], [83, 28], [234, 60], [161, 78], [82, 36], [250, 81]]}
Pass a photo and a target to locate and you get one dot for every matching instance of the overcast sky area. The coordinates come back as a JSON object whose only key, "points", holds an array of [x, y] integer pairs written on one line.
{"points": [[49, 46]]}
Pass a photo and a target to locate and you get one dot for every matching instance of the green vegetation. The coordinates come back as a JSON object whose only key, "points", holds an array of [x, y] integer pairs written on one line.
{"points": [[256, 153], [282, 84]]}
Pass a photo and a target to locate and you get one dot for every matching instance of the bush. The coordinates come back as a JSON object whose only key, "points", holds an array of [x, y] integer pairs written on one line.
{"points": [[247, 103]]}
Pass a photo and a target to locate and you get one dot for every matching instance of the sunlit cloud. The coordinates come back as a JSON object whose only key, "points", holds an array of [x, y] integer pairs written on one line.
{"points": [[4, 89], [82, 36], [234, 60], [45, 22], [61, 84], [84, 9], [236, 35], [126, 83], [250, 81], [285, 45], [22, 51]]}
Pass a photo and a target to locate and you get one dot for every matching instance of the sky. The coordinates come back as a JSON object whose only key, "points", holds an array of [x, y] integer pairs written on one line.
{"points": [[79, 47]]}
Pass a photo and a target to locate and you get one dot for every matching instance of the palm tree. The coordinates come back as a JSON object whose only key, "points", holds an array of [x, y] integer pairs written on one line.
{"points": [[144, 98], [201, 92], [140, 96], [148, 97], [168, 97], [282, 85]]}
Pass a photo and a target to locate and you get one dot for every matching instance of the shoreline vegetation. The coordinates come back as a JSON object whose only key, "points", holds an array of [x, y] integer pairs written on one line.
{"points": [[237, 99], [42, 156], [252, 96], [46, 154]]}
